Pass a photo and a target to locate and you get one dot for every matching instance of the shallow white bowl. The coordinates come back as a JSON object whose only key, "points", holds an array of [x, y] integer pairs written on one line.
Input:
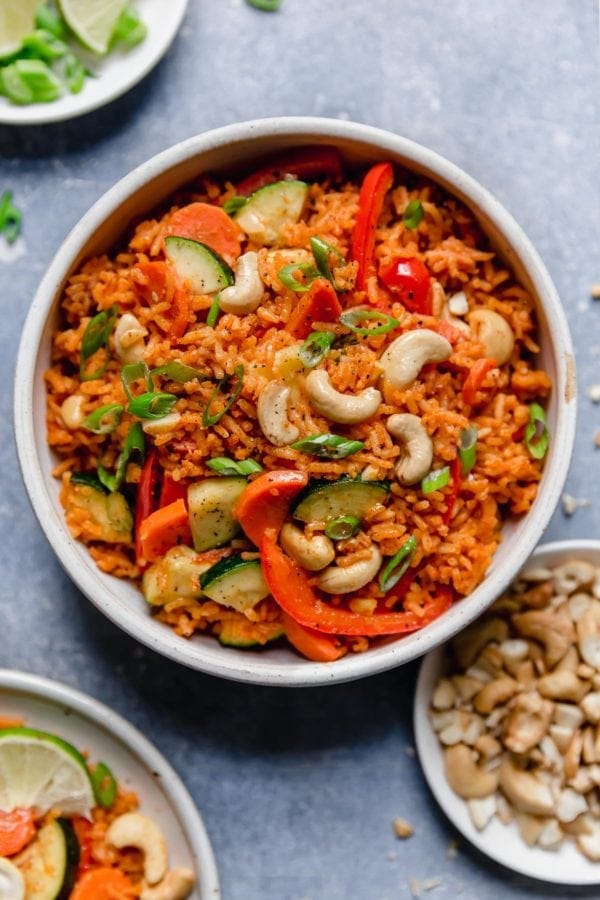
{"points": [[226, 150], [502, 843], [137, 765]]}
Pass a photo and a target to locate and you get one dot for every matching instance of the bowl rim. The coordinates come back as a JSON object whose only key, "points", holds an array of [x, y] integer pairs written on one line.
{"points": [[107, 720], [299, 130]]}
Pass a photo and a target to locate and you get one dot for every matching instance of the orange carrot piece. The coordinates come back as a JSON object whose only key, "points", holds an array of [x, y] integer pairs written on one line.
{"points": [[11, 721], [211, 226], [103, 883], [164, 528], [319, 304], [17, 829], [311, 644], [157, 285], [265, 502]]}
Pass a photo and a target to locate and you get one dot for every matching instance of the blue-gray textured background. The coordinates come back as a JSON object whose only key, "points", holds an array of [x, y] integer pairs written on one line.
{"points": [[299, 788]]}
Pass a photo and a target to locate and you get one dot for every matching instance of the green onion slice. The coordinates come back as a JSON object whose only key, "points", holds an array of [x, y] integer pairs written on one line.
{"points": [[397, 565], [286, 276], [129, 29], [328, 446], [413, 214], [95, 337], [135, 443], [42, 44], [153, 405], [105, 419], [176, 371], [537, 435], [104, 785], [315, 348], [209, 418], [137, 371], [48, 19], [342, 528], [88, 480], [29, 81], [436, 480], [352, 317], [222, 465], [234, 204], [72, 71], [467, 448], [10, 218], [213, 312], [322, 251]]}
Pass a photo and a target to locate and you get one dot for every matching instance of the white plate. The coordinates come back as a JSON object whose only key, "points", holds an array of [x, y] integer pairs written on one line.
{"points": [[116, 73], [137, 765], [501, 843]]}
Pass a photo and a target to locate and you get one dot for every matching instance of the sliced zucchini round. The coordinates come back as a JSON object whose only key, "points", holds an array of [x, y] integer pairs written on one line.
{"points": [[176, 576], [197, 264], [322, 501], [235, 582], [271, 207], [49, 864], [211, 503]]}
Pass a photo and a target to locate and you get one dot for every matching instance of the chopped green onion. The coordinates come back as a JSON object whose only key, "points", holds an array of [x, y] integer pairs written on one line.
{"points": [[209, 418], [176, 371], [88, 480], [467, 448], [315, 348], [153, 405], [105, 419], [10, 218], [436, 480], [413, 214], [135, 443], [322, 250], [129, 29], [342, 528], [222, 465], [234, 204], [137, 371], [351, 317], [398, 564], [104, 785], [537, 435], [265, 5], [72, 71], [95, 337], [328, 446], [29, 81], [48, 19], [286, 276], [213, 312], [44, 45]]}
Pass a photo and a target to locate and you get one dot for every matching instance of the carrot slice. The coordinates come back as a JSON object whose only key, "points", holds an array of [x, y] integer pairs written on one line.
{"points": [[266, 501], [11, 722], [16, 830], [103, 884], [164, 528], [311, 644], [211, 226], [319, 304]]}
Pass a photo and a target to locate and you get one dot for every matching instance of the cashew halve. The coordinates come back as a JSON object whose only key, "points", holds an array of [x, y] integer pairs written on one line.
{"points": [[344, 579], [136, 830], [554, 631], [494, 332], [272, 414], [71, 411], [245, 294], [405, 357], [465, 777], [312, 553], [129, 337], [526, 792], [347, 409], [417, 446], [12, 883], [176, 885], [495, 693]]}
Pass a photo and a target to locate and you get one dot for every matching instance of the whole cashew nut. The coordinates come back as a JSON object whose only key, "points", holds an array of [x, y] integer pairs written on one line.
{"points": [[272, 414], [494, 332], [176, 885], [416, 460], [312, 553], [12, 883], [347, 409], [344, 579], [245, 295], [405, 357], [526, 792], [136, 830], [465, 777], [554, 631]]}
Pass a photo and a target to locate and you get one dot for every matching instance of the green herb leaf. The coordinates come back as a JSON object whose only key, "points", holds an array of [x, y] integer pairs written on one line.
{"points": [[436, 480], [129, 29], [209, 418], [342, 528], [397, 565], [222, 465], [153, 405], [105, 419], [135, 444], [104, 785], [234, 204], [537, 435], [133, 372], [10, 218], [351, 317], [467, 448], [413, 214], [95, 337], [328, 446], [287, 277], [315, 348]]}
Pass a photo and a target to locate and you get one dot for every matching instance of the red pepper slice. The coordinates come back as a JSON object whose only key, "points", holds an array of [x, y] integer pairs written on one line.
{"points": [[475, 378], [83, 833], [291, 589], [301, 162], [171, 490], [145, 501], [311, 644], [409, 280], [319, 304], [375, 186], [452, 496], [265, 503]]}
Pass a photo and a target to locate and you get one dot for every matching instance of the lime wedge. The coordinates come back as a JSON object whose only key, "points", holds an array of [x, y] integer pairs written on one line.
{"points": [[17, 20], [92, 21], [40, 771]]}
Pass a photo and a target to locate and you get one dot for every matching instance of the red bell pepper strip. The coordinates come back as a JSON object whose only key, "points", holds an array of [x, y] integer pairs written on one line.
{"points": [[265, 503], [319, 304], [171, 490], [475, 378], [211, 226], [166, 527], [17, 829], [311, 644], [291, 589], [145, 501], [375, 186], [306, 163], [452, 496], [83, 832], [409, 280]]}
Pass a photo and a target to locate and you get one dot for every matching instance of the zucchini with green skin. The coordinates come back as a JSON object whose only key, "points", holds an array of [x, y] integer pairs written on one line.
{"points": [[110, 513], [269, 208], [49, 864], [203, 270], [210, 506], [322, 501], [235, 582], [242, 633], [175, 576]]}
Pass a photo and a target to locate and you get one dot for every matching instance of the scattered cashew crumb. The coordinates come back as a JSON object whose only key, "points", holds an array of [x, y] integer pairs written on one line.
{"points": [[414, 887], [402, 828], [452, 851], [597, 439], [593, 393], [571, 504], [595, 291], [410, 751], [430, 883]]}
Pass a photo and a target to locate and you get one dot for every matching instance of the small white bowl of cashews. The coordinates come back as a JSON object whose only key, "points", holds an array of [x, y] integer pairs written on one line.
{"points": [[227, 151], [167, 828]]}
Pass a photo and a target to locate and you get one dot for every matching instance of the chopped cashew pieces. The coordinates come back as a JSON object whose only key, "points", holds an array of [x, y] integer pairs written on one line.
{"points": [[517, 711], [136, 830], [346, 409]]}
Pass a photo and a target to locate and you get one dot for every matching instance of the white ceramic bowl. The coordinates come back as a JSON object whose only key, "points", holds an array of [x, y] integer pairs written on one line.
{"points": [[138, 766], [502, 843], [225, 150]]}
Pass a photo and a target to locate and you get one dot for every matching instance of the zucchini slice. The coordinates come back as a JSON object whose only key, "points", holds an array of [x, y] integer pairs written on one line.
{"points": [[235, 582], [176, 575], [210, 504], [270, 207], [197, 264], [109, 514], [49, 864], [242, 633], [321, 501]]}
